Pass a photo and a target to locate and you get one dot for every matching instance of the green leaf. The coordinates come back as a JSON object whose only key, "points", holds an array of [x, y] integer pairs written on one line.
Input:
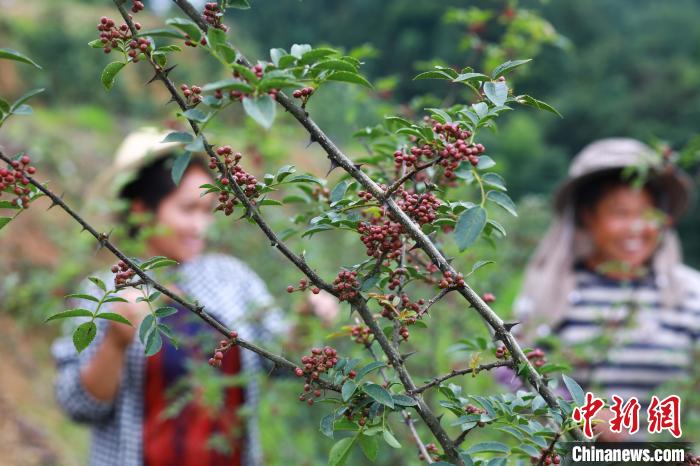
{"points": [[367, 369], [229, 85], [437, 74], [96, 44], [532, 102], [470, 77], [154, 342], [485, 162], [369, 446], [115, 299], [469, 227], [245, 72], [195, 114], [479, 264], [179, 166], [165, 311], [481, 109], [340, 451], [215, 38], [4, 221], [178, 136], [315, 54], [25, 97], [10, 54], [23, 109], [390, 439], [503, 200], [161, 263], [100, 284], [109, 74], [339, 191], [114, 317], [497, 92], [326, 425], [84, 335], [298, 50], [348, 389], [261, 109], [495, 180], [305, 179], [379, 394], [8, 205], [83, 296], [239, 4], [349, 77], [334, 64], [495, 447], [69, 313], [404, 400], [186, 26], [160, 32], [575, 390], [504, 68], [147, 325]]}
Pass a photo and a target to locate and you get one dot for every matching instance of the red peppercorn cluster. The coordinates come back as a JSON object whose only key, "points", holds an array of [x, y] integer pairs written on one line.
{"points": [[365, 195], [432, 449], [137, 46], [412, 157], [546, 458], [449, 280], [111, 35], [122, 273], [361, 334], [420, 207], [190, 43], [213, 15], [537, 357], [346, 285], [258, 71], [224, 345], [15, 179], [319, 361], [457, 147], [380, 237], [192, 94], [137, 6], [502, 352], [691, 459], [303, 285], [247, 182], [304, 93]]}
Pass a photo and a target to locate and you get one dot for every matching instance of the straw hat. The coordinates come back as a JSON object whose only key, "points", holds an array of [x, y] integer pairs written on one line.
{"points": [[138, 149], [618, 153]]}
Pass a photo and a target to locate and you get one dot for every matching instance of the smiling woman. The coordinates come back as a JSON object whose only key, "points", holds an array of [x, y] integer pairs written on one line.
{"points": [[606, 287], [149, 410]]}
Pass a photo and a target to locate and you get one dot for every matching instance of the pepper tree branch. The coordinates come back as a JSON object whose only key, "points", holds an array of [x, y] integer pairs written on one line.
{"points": [[455, 373], [359, 303], [410, 227], [199, 310]]}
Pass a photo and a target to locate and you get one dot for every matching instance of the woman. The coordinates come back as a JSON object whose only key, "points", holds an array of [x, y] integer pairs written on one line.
{"points": [[126, 397], [607, 281]]}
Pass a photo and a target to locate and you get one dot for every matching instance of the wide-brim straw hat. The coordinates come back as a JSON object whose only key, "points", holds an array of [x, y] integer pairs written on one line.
{"points": [[614, 154], [139, 148]]}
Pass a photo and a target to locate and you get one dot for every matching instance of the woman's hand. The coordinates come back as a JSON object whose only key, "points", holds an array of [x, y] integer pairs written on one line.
{"points": [[325, 306], [121, 334]]}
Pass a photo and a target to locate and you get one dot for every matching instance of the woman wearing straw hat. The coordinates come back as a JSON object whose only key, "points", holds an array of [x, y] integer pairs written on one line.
{"points": [[607, 281], [126, 397]]}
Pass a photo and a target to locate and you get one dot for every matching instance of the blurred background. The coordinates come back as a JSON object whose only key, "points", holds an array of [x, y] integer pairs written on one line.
{"points": [[611, 67]]}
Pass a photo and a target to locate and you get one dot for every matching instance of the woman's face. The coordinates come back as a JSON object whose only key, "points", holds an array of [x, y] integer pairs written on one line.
{"points": [[624, 226], [184, 217]]}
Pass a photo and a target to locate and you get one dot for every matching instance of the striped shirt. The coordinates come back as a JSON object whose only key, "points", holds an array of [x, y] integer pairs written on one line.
{"points": [[630, 345], [233, 294]]}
